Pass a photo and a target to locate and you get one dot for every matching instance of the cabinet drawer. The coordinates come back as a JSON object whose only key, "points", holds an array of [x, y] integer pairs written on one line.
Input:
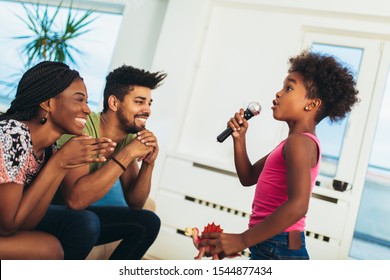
{"points": [[177, 211], [320, 250], [327, 217], [170, 245], [203, 182]]}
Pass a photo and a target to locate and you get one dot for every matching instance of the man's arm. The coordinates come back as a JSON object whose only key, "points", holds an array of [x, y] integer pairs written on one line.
{"points": [[136, 183], [81, 188]]}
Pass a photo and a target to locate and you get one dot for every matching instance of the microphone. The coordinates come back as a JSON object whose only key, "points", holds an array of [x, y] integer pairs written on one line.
{"points": [[253, 109]]}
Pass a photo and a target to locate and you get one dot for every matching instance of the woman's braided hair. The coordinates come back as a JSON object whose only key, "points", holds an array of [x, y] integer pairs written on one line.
{"points": [[41, 82]]}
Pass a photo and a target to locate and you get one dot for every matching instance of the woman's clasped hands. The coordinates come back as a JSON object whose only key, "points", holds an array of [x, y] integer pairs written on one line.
{"points": [[84, 149]]}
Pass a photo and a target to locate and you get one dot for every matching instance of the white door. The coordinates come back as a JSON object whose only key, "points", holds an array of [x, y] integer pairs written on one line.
{"points": [[372, 231], [345, 146]]}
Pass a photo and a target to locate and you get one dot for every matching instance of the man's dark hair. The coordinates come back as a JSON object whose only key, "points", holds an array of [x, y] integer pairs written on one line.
{"points": [[41, 82], [122, 80]]}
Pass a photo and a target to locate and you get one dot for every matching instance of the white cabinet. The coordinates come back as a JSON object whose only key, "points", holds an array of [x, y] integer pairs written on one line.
{"points": [[192, 195], [325, 223]]}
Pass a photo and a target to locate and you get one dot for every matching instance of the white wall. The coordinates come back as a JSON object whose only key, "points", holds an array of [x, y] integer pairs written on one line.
{"points": [[138, 36]]}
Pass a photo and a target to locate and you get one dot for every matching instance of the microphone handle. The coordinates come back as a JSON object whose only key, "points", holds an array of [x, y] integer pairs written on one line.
{"points": [[225, 134]]}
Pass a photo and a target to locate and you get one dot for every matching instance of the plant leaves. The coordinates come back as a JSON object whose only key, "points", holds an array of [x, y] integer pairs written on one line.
{"points": [[46, 43]]}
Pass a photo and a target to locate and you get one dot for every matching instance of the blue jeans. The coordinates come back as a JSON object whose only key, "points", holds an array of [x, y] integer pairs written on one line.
{"points": [[137, 228], [79, 231], [276, 248]]}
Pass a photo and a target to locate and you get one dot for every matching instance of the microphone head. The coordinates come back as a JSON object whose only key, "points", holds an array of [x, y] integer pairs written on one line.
{"points": [[254, 107]]}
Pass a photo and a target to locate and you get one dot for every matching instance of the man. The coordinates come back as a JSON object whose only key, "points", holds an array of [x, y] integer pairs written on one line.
{"points": [[126, 108]]}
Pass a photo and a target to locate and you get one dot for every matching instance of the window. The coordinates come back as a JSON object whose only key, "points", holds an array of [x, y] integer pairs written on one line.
{"points": [[372, 231], [93, 64]]}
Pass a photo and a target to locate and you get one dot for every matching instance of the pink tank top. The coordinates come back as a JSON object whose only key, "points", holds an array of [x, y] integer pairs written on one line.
{"points": [[271, 188]]}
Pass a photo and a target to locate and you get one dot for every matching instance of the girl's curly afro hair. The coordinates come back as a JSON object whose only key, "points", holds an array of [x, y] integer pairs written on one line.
{"points": [[329, 80]]}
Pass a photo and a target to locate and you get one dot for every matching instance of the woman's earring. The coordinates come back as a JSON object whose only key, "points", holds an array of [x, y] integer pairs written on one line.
{"points": [[306, 108], [44, 119]]}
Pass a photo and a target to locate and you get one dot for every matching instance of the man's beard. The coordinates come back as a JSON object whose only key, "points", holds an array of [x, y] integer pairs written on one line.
{"points": [[126, 125]]}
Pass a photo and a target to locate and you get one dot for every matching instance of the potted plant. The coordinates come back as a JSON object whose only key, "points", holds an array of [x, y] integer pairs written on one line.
{"points": [[49, 41]]}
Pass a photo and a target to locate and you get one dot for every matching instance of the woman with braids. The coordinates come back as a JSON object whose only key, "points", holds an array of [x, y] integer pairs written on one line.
{"points": [[51, 100], [316, 86]]}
